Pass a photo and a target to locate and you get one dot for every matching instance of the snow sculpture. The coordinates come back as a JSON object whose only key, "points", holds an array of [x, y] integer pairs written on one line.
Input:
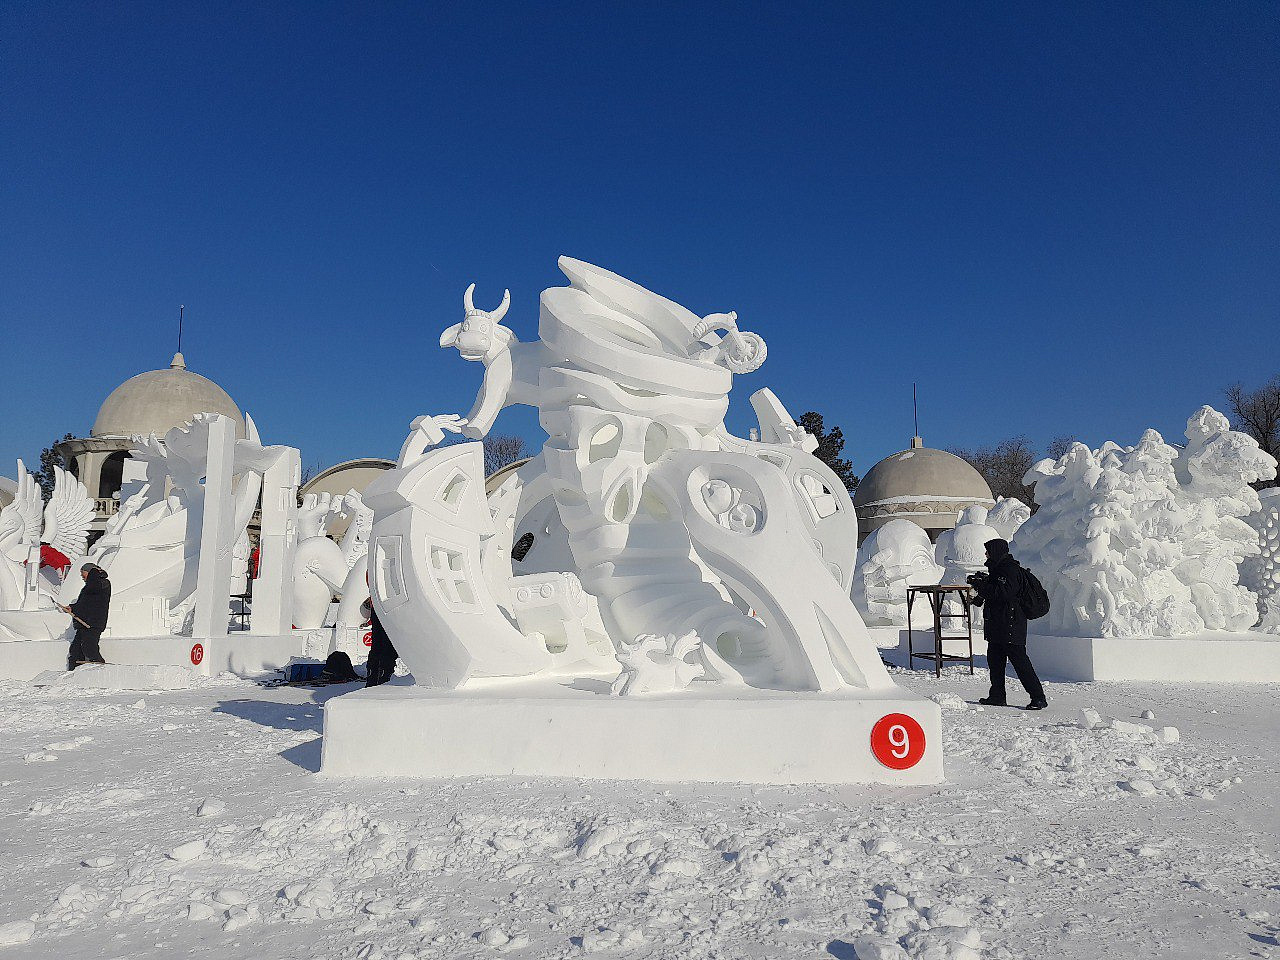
{"points": [[1261, 573], [1007, 516], [324, 569], [892, 558], [154, 546], [652, 664], [669, 523], [28, 522], [1147, 540]]}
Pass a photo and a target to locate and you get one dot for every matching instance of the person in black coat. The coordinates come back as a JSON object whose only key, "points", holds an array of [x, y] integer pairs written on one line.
{"points": [[89, 614], [382, 654], [1004, 624]]}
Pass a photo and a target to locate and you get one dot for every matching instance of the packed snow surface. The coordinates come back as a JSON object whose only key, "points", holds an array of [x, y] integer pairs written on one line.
{"points": [[190, 823]]}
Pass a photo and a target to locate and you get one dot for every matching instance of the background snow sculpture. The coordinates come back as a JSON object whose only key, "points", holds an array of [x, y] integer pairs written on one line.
{"points": [[28, 522], [670, 523], [1147, 540], [324, 569], [1261, 573], [153, 546], [1007, 516], [892, 558]]}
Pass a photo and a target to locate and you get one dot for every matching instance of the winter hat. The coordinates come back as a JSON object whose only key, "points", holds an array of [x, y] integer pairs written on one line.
{"points": [[997, 549]]}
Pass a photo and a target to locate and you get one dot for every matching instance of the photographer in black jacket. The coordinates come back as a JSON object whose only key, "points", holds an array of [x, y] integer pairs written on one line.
{"points": [[1005, 624]]}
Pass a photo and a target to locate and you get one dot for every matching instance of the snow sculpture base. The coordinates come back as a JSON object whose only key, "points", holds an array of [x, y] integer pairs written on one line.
{"points": [[243, 654], [118, 676], [557, 727], [1207, 658]]}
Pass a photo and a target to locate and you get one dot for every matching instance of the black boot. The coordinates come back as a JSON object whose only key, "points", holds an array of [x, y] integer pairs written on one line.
{"points": [[1038, 704], [992, 702]]}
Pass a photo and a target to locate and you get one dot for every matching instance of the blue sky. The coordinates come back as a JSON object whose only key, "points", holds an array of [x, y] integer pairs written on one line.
{"points": [[1058, 218]]}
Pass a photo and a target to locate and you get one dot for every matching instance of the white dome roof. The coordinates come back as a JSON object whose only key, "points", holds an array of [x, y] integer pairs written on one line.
{"points": [[159, 400]]}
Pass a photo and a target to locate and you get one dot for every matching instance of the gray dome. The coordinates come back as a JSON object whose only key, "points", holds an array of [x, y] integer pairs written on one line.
{"points": [[928, 487], [921, 474], [159, 400]]}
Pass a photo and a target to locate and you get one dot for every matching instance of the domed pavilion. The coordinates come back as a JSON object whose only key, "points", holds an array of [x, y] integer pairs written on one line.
{"points": [[926, 486], [152, 402]]}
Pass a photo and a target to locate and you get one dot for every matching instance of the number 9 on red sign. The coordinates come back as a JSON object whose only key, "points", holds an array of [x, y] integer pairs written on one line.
{"points": [[897, 741]]}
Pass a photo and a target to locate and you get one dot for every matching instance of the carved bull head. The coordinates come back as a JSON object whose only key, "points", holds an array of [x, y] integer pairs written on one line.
{"points": [[480, 335]]}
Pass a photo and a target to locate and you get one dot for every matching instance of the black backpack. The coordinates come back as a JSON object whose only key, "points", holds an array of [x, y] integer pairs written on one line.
{"points": [[1033, 598], [338, 669]]}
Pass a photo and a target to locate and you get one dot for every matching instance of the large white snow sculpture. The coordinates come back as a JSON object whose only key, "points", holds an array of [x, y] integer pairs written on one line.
{"points": [[892, 558], [671, 524], [1146, 540]]}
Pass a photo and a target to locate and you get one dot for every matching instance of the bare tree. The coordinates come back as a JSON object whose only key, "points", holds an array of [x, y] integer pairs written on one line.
{"points": [[1003, 466], [1257, 413], [500, 450], [1059, 446], [309, 473]]}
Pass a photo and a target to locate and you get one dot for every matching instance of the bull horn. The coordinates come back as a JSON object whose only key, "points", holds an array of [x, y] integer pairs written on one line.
{"points": [[468, 303], [501, 310]]}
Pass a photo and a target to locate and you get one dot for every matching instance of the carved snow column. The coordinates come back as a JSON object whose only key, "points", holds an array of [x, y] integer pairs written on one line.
{"points": [[217, 534], [273, 590], [31, 589]]}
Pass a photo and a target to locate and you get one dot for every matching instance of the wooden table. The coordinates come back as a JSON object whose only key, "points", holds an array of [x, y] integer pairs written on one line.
{"points": [[937, 595]]}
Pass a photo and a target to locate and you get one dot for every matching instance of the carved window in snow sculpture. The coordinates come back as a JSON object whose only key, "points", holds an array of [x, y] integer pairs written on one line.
{"points": [[452, 491], [739, 510], [818, 496], [449, 570], [388, 570]]}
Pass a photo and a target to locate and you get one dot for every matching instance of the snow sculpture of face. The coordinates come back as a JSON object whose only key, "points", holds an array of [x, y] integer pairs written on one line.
{"points": [[968, 547], [892, 558]]}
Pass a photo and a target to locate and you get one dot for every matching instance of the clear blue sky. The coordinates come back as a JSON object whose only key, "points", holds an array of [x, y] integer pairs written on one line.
{"points": [[1058, 218]]}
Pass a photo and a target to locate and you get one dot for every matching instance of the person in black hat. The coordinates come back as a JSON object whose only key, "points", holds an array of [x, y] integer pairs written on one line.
{"points": [[1005, 624], [89, 614]]}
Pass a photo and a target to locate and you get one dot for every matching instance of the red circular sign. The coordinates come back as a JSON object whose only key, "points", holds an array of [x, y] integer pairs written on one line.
{"points": [[368, 640], [197, 654], [897, 740]]}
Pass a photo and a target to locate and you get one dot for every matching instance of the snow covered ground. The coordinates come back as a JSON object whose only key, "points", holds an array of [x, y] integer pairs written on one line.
{"points": [[190, 823]]}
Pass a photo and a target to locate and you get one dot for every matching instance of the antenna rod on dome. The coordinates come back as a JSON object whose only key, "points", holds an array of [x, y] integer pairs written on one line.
{"points": [[182, 307], [916, 442]]}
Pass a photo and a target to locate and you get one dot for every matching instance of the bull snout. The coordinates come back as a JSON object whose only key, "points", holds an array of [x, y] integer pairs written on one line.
{"points": [[473, 345]]}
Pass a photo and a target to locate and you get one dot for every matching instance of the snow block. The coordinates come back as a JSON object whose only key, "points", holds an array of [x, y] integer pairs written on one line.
{"points": [[240, 653], [552, 729], [1206, 658], [119, 676]]}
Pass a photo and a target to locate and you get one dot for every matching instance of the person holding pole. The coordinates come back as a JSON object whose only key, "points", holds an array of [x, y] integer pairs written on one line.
{"points": [[89, 614]]}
